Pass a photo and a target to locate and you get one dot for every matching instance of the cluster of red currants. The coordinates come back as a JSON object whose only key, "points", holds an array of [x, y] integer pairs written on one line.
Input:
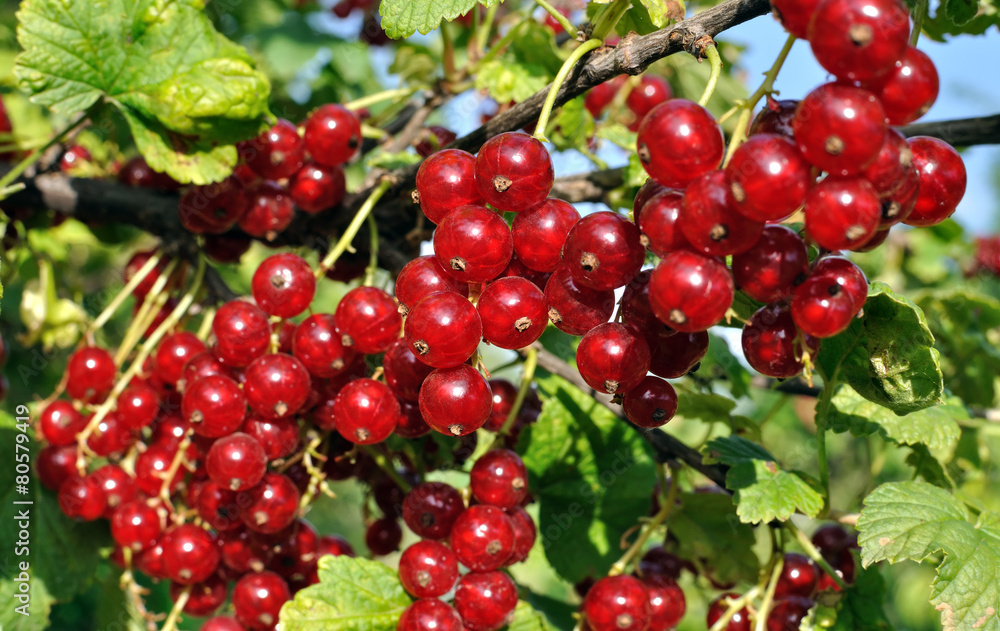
{"points": [[279, 171], [798, 584]]}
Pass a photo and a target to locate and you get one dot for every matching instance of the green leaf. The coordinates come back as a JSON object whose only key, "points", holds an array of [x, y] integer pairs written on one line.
{"points": [[207, 90], [62, 555], [507, 80], [572, 127], [710, 408], [960, 12], [536, 43], [662, 12], [916, 521], [390, 161], [887, 355], [402, 18], [175, 154], [527, 619], [966, 327], [617, 134], [762, 491], [415, 64], [558, 614], [593, 477], [706, 527], [635, 20], [861, 606], [352, 594], [935, 427]]}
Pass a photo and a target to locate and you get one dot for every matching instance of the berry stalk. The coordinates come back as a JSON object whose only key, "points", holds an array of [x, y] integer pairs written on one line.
{"points": [[712, 52], [126, 291], [530, 363], [772, 585], [734, 606], [352, 230], [568, 26], [647, 530], [34, 157], [810, 549], [550, 100]]}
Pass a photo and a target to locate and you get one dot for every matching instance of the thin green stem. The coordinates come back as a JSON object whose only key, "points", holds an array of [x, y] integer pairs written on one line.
{"points": [[352, 230], [767, 87], [568, 26], [919, 13], [735, 605], [483, 34], [608, 17], [647, 531], [823, 406], [772, 584], [126, 291], [713, 79], [448, 53], [814, 554], [378, 97], [37, 155], [527, 376], [386, 466], [373, 254], [175, 613], [502, 44], [151, 304], [550, 100]]}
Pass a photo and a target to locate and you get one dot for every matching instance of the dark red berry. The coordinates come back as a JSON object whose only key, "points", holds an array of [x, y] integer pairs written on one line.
{"points": [[222, 623], [769, 270], [575, 309], [90, 374], [82, 498], [273, 505], [652, 403], [430, 614], [525, 534], [436, 137], [55, 464], [431, 508], [332, 134], [279, 437], [843, 272], [777, 116], [666, 602], [236, 461], [242, 333], [190, 554], [674, 356], [473, 244], [612, 358], [455, 401], [220, 507], [740, 621], [859, 40], [269, 213], [658, 222], [277, 153], [499, 478], [514, 172], [768, 178], [257, 600], [485, 600], [708, 221], [787, 614], [319, 346], [637, 313], [404, 373], [539, 233], [798, 577], [446, 181], [443, 330], [315, 187], [383, 536], [942, 180], [204, 598], [773, 345], [213, 208], [842, 214], [678, 141]]}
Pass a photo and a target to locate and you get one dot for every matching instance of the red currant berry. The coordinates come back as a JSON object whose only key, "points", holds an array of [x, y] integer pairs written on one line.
{"points": [[473, 244], [777, 116], [222, 623], [942, 180], [430, 614], [138, 406], [832, 539], [612, 359], [368, 320], [138, 260], [242, 333], [112, 437], [332, 135], [540, 233], [617, 603], [740, 620], [891, 166], [315, 187], [799, 576], [366, 411], [383, 536], [236, 461], [794, 15], [499, 478], [319, 347], [455, 401], [333, 545], [55, 464], [666, 602], [513, 312], [59, 423], [678, 141], [152, 467], [837, 269], [257, 600], [190, 554], [822, 308], [525, 534], [214, 208], [769, 270], [485, 600], [659, 223], [403, 371], [768, 178], [443, 330], [283, 285], [428, 569], [637, 314], [279, 437], [82, 498], [787, 615], [603, 251], [173, 353], [203, 364], [436, 137], [575, 309], [771, 344], [214, 406], [651, 403], [708, 221], [842, 214], [219, 507], [446, 181], [859, 40], [483, 538], [600, 96], [909, 89], [136, 525], [674, 356], [90, 374], [270, 211], [649, 189], [431, 508], [276, 385], [839, 128], [273, 505], [690, 292], [275, 154], [514, 172], [422, 277], [899, 205], [205, 598], [650, 92], [411, 422], [119, 487]]}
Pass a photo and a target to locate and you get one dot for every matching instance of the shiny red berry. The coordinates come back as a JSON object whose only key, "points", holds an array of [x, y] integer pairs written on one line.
{"points": [[430, 614], [276, 385], [257, 600], [90, 374], [612, 358], [859, 40], [368, 320], [513, 312], [499, 478], [173, 353], [659, 223], [485, 600], [443, 330], [678, 141], [428, 569], [573, 308], [942, 180], [603, 251], [236, 461], [136, 525], [214, 406], [514, 172], [891, 166], [773, 345], [822, 308], [242, 333], [283, 285], [769, 270], [319, 346], [617, 603], [909, 89], [446, 181], [59, 423], [539, 233], [798, 577], [690, 292], [740, 621], [525, 534], [383, 536], [473, 244], [666, 601], [269, 213], [277, 153], [455, 401], [842, 214], [839, 128], [332, 134], [315, 188], [82, 498], [768, 178], [190, 554], [652, 403], [650, 92], [366, 411], [708, 221], [273, 504]]}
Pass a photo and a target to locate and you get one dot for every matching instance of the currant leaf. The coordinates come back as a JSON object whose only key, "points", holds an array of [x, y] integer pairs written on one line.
{"points": [[591, 475], [527, 619], [355, 594], [915, 521], [507, 80], [706, 527], [402, 18], [860, 607], [887, 355], [936, 426], [207, 91]]}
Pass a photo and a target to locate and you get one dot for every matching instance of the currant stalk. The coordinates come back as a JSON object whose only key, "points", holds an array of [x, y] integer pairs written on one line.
{"points": [[352, 230], [772, 584], [661, 516], [810, 549], [550, 100], [373, 253], [175, 466], [386, 466], [379, 97], [151, 305], [734, 606], [568, 26], [528, 374], [767, 87], [126, 291], [7, 180], [170, 624], [712, 52]]}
